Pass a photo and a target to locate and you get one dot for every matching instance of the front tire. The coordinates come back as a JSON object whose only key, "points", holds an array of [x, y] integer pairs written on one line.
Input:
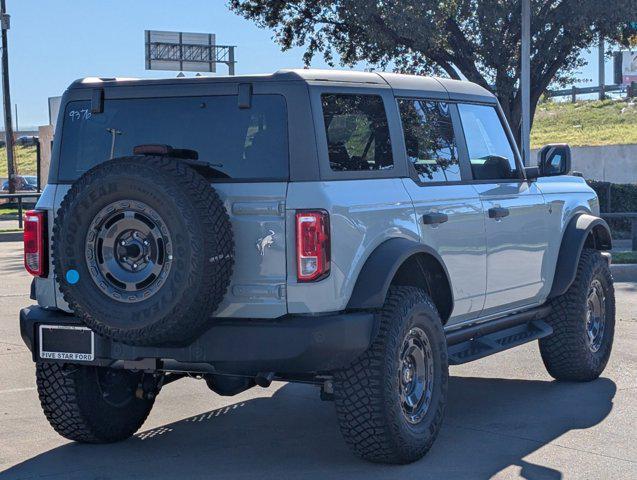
{"points": [[583, 321], [91, 404], [390, 402]]}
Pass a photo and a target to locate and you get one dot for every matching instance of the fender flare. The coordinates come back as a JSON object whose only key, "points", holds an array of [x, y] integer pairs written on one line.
{"points": [[380, 268], [573, 241]]}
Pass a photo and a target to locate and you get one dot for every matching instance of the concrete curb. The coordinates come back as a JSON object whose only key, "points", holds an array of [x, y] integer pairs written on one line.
{"points": [[624, 272]]}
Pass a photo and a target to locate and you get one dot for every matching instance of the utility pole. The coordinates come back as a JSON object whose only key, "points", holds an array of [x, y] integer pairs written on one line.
{"points": [[602, 70], [8, 127], [525, 82]]}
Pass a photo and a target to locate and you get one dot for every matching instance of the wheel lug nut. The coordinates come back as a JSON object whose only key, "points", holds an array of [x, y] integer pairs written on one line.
{"points": [[122, 242]]}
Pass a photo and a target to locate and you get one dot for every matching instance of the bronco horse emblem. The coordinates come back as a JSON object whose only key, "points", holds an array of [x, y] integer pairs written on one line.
{"points": [[265, 242]]}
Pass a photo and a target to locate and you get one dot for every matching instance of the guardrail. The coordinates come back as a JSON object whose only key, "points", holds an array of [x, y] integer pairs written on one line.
{"points": [[573, 92], [633, 229], [19, 197]]}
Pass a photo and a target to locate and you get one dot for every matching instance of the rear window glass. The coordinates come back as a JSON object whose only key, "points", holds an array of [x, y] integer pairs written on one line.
{"points": [[357, 132], [244, 144]]}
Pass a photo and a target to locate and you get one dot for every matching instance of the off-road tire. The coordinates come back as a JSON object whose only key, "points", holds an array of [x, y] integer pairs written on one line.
{"points": [[75, 407], [366, 394], [566, 353], [199, 234]]}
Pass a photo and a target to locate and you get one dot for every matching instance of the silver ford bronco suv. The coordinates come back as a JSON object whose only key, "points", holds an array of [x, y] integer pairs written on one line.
{"points": [[358, 231]]}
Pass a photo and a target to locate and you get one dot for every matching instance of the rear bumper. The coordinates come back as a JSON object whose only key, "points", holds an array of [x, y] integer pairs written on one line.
{"points": [[294, 344]]}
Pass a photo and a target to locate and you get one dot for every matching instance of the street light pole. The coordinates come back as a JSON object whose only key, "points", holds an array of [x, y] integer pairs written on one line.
{"points": [[525, 82], [8, 127], [601, 68]]}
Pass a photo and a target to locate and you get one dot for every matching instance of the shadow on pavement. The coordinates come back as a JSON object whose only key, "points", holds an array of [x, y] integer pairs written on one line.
{"points": [[491, 424], [12, 259]]}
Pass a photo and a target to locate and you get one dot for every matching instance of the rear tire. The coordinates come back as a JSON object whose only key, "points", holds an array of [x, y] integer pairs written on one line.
{"points": [[381, 415], [583, 321], [91, 404]]}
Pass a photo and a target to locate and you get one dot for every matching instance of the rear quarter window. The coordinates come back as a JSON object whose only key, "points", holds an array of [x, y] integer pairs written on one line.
{"points": [[243, 144], [357, 132]]}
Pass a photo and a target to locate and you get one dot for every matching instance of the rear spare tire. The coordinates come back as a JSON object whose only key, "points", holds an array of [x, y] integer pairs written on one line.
{"points": [[143, 250]]}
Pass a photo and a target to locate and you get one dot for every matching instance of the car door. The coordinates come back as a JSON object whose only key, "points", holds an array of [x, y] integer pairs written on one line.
{"points": [[449, 211], [515, 212]]}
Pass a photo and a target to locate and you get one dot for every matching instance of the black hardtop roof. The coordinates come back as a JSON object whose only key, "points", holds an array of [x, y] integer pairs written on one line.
{"points": [[400, 83]]}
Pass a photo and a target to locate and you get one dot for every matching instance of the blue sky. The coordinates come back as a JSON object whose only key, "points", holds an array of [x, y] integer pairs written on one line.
{"points": [[52, 43]]}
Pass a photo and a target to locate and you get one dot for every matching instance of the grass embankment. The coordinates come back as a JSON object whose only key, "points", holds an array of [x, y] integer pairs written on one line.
{"points": [[25, 159], [608, 122]]}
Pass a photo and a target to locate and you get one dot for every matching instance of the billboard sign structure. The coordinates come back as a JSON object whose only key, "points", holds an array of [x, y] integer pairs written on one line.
{"points": [[183, 51], [626, 65]]}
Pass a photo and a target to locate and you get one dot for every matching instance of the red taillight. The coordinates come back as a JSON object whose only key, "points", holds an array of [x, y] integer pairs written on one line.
{"points": [[312, 245], [35, 260]]}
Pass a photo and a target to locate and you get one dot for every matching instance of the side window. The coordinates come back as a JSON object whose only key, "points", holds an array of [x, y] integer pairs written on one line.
{"points": [[490, 152], [430, 140], [357, 132]]}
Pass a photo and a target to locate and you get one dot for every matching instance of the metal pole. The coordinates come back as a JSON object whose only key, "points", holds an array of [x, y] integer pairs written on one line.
{"points": [[20, 213], [230, 60], [525, 82], [38, 163], [8, 126], [601, 68]]}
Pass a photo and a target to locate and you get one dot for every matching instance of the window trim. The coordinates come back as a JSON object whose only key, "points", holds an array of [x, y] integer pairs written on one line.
{"points": [[399, 169], [509, 135], [62, 116], [465, 168], [467, 174], [369, 130]]}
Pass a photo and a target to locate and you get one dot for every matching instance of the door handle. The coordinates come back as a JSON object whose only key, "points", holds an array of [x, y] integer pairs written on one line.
{"points": [[434, 218], [498, 212]]}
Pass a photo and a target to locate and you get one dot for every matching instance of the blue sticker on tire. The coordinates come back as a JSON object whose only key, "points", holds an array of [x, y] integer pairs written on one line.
{"points": [[72, 277]]}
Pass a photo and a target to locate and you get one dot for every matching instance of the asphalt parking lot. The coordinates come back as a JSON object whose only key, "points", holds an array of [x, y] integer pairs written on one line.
{"points": [[506, 418]]}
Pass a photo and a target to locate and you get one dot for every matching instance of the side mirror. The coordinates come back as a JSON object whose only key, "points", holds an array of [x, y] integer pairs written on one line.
{"points": [[554, 160]]}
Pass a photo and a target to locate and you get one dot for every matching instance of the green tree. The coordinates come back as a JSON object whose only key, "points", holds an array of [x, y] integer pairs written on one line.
{"points": [[477, 39]]}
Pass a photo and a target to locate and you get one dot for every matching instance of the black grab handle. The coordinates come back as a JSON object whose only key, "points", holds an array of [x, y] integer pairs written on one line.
{"points": [[498, 212], [434, 218]]}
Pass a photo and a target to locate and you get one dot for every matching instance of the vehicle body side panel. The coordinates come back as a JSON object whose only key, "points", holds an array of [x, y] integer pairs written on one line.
{"points": [[362, 216], [460, 241], [566, 196], [516, 244]]}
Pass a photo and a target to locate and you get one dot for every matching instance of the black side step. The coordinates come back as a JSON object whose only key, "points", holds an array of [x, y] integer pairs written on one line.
{"points": [[495, 342], [477, 341]]}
